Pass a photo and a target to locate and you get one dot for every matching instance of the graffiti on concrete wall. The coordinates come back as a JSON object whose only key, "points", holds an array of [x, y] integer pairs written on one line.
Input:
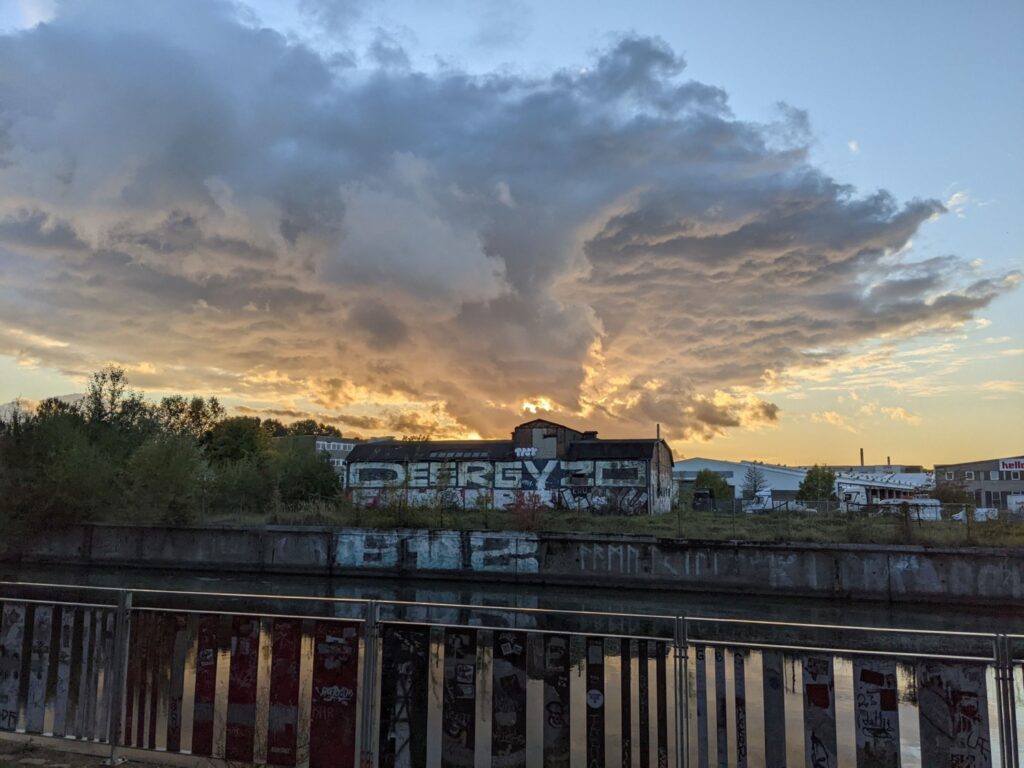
{"points": [[619, 487], [441, 551]]}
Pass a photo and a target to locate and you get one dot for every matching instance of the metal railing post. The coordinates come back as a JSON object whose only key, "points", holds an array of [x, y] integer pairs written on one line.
{"points": [[122, 638], [369, 685], [682, 695], [1005, 704]]}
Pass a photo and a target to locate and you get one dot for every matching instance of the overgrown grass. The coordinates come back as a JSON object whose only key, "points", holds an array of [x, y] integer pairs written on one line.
{"points": [[812, 527]]}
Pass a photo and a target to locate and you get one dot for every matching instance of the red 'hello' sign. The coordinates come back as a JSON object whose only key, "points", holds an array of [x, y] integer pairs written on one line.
{"points": [[1011, 465]]}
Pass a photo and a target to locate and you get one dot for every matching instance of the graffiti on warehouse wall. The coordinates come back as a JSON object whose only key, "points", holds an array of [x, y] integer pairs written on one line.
{"points": [[619, 485]]}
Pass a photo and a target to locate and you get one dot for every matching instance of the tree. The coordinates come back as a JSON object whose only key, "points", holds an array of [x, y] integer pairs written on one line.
{"points": [[275, 428], [166, 475], [754, 481], [301, 474], [953, 492], [242, 486], [238, 438], [313, 427], [52, 473], [819, 484], [194, 417], [709, 480], [109, 401]]}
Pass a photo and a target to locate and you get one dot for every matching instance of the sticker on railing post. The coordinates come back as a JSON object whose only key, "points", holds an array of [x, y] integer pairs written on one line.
{"points": [[556, 701], [595, 701], [241, 716], [877, 713], [953, 706], [508, 726], [39, 668], [206, 685], [403, 697], [819, 712], [283, 714], [458, 739], [12, 642], [332, 726]]}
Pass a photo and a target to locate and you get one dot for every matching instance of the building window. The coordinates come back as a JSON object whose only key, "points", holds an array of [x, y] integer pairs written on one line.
{"points": [[993, 475], [969, 474], [949, 475], [1015, 475]]}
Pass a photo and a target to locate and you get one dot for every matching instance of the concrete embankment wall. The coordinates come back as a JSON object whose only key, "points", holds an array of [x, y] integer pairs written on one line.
{"points": [[867, 572]]}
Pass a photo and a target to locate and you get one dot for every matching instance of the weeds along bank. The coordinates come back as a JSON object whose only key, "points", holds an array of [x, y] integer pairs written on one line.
{"points": [[847, 571]]}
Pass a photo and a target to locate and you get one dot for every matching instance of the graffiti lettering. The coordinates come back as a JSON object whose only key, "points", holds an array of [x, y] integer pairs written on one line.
{"points": [[335, 693]]}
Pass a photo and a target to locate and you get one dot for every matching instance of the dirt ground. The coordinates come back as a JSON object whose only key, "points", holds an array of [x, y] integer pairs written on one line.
{"points": [[27, 754]]}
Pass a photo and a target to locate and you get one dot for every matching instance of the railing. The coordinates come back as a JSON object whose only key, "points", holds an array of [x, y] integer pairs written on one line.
{"points": [[326, 683]]}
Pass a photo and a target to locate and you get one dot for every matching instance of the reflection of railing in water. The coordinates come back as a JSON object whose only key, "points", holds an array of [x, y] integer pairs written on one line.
{"points": [[283, 680]]}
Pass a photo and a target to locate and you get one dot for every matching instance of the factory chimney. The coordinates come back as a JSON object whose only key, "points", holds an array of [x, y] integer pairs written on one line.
{"points": [[862, 457]]}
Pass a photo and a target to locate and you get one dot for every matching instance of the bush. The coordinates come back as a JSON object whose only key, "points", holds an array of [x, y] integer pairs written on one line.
{"points": [[167, 474]]}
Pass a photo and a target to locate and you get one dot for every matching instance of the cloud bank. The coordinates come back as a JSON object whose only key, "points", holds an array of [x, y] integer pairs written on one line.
{"points": [[231, 212]]}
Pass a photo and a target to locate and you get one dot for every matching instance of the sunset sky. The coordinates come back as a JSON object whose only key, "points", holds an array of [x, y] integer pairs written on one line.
{"points": [[783, 231]]}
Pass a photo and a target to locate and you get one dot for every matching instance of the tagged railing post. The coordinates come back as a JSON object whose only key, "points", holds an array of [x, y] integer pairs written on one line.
{"points": [[682, 695], [122, 638], [1005, 702], [368, 723]]}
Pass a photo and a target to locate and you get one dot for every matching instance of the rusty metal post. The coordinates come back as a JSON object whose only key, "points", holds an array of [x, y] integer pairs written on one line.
{"points": [[371, 637], [122, 638]]}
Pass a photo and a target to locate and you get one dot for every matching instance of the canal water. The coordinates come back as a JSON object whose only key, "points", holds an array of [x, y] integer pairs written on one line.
{"points": [[956, 617]]}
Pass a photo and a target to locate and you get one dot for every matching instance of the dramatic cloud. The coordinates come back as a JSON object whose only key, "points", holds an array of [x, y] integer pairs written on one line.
{"points": [[233, 213]]}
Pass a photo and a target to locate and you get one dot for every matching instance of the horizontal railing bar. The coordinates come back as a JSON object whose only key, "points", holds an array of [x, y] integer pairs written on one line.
{"points": [[313, 598], [188, 592], [514, 609], [143, 609], [842, 627], [56, 602], [691, 642], [526, 630]]}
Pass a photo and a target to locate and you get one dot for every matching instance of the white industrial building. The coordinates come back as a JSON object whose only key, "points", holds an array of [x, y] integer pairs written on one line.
{"points": [[784, 482]]}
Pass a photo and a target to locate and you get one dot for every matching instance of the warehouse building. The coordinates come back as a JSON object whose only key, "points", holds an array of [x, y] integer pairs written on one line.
{"points": [[543, 464], [858, 487], [994, 483]]}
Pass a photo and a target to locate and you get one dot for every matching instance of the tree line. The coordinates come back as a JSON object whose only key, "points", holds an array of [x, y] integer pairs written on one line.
{"points": [[116, 455]]}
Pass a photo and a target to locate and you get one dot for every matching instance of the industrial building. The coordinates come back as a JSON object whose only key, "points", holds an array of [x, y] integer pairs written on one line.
{"points": [[994, 483], [543, 464], [863, 487]]}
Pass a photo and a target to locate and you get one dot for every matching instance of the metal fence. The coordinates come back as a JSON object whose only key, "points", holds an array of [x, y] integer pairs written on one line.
{"points": [[905, 523], [325, 683]]}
